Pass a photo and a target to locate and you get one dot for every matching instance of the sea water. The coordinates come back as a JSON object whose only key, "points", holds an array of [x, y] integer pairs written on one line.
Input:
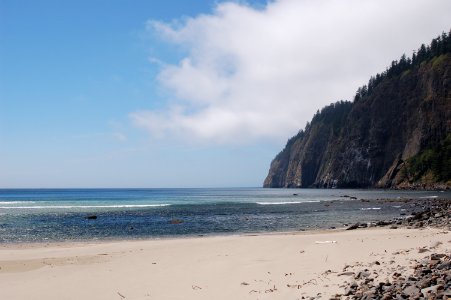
{"points": [[40, 215]]}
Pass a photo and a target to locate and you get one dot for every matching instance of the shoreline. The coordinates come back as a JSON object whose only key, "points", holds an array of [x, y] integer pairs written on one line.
{"points": [[268, 266], [80, 243], [422, 212], [377, 261]]}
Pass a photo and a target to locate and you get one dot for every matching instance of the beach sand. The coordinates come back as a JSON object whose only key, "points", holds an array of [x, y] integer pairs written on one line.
{"points": [[266, 266]]}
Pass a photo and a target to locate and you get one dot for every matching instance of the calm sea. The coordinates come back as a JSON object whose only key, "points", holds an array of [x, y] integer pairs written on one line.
{"points": [[40, 215]]}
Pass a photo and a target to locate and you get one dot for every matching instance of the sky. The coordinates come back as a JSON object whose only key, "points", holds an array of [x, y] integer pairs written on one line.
{"points": [[204, 93]]}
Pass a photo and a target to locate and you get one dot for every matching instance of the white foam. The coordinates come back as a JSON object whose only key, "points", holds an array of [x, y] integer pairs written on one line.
{"points": [[285, 202], [84, 206], [16, 202], [370, 208], [429, 197]]}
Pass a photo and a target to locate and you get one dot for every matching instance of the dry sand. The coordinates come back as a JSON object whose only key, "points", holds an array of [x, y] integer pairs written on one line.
{"points": [[272, 266]]}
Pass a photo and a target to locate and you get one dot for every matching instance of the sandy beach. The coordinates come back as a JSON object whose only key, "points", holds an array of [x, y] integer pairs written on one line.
{"points": [[272, 266]]}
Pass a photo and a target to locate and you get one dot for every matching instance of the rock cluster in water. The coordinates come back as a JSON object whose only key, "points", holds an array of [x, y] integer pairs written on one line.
{"points": [[427, 212]]}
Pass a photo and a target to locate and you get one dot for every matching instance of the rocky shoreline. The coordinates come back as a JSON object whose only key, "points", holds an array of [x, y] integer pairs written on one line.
{"points": [[439, 186], [422, 213], [431, 279], [428, 278]]}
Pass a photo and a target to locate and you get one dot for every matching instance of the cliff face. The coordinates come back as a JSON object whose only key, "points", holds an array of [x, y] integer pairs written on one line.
{"points": [[395, 136]]}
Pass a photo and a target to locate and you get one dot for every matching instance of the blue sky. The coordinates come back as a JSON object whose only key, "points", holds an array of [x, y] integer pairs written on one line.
{"points": [[181, 93]]}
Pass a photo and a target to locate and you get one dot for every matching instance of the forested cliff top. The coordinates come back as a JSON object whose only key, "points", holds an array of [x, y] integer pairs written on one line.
{"points": [[395, 134]]}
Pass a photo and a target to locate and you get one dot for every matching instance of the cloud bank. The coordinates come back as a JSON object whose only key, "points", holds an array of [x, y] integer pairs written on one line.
{"points": [[261, 73]]}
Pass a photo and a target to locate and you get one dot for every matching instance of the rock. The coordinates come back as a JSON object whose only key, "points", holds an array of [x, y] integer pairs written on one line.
{"points": [[436, 256], [352, 227], [434, 262], [386, 296], [424, 283], [363, 274], [176, 221], [383, 223], [91, 217], [349, 291], [444, 266], [432, 289], [411, 291], [391, 122]]}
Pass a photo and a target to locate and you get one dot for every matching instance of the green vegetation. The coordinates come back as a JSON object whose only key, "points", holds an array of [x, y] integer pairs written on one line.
{"points": [[405, 73], [433, 161], [436, 51], [437, 61], [333, 115], [359, 143]]}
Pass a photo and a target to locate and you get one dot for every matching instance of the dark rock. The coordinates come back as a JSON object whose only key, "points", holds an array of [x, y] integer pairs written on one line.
{"points": [[176, 221], [427, 282], [362, 274], [91, 217], [444, 266], [383, 223], [436, 256], [434, 262], [352, 227]]}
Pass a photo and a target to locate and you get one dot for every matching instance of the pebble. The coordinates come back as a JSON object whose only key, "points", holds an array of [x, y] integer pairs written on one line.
{"points": [[431, 281], [431, 278]]}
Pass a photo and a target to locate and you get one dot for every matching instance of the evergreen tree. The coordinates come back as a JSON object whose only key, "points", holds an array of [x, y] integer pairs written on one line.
{"points": [[439, 46]]}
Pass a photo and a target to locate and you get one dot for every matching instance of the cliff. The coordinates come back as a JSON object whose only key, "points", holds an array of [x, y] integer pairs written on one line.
{"points": [[396, 132]]}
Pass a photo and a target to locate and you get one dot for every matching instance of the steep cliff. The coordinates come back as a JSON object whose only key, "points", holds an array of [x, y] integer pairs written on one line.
{"points": [[396, 133]]}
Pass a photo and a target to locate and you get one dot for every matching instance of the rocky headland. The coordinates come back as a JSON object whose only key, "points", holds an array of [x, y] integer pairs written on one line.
{"points": [[395, 134]]}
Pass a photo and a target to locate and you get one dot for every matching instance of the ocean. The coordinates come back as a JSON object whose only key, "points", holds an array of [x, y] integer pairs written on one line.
{"points": [[45, 215]]}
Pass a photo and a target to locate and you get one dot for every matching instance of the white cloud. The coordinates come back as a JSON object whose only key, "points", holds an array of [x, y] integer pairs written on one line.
{"points": [[252, 74], [119, 136]]}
